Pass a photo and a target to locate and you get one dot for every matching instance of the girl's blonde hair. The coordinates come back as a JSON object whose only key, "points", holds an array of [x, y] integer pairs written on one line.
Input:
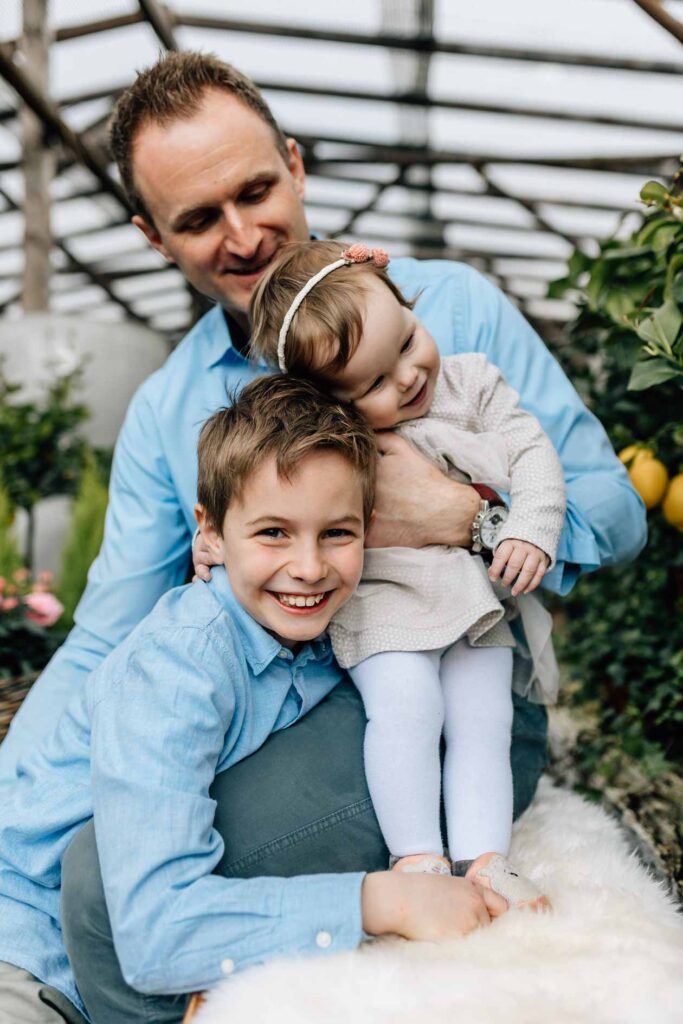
{"points": [[328, 325]]}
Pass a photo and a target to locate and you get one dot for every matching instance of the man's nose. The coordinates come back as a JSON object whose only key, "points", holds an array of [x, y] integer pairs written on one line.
{"points": [[243, 236]]}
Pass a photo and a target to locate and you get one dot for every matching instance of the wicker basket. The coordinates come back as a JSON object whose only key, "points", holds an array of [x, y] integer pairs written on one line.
{"points": [[12, 692]]}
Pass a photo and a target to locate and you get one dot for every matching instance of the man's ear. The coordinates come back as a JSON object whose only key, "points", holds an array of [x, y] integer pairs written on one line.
{"points": [[210, 534], [295, 164], [152, 236]]}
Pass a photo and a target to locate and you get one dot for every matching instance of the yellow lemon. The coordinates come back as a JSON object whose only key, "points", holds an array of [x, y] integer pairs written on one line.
{"points": [[649, 477], [672, 506], [629, 453]]}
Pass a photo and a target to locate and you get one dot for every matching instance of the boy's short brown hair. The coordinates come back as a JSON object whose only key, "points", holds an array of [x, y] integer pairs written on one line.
{"points": [[328, 325], [170, 90], [285, 417]]}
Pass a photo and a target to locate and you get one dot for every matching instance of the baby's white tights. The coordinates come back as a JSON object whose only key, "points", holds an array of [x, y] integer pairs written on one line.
{"points": [[410, 698]]}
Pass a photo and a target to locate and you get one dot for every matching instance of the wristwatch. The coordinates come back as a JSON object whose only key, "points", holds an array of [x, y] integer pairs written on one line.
{"points": [[489, 519]]}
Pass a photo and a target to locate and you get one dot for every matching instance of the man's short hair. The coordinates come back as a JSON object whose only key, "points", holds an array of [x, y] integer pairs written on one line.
{"points": [[170, 90], [328, 325], [287, 418]]}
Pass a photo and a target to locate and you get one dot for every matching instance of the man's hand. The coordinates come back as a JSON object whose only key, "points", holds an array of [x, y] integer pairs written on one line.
{"points": [[415, 503], [202, 559], [426, 907], [520, 561]]}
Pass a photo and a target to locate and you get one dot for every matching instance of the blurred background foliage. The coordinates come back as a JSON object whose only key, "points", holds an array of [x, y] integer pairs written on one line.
{"points": [[622, 641]]}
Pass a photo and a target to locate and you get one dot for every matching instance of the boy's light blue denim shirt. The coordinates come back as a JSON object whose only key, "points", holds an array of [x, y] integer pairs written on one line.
{"points": [[197, 686], [150, 522]]}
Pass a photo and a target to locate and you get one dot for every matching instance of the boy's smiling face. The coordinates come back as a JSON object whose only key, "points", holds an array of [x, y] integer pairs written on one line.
{"points": [[293, 548]]}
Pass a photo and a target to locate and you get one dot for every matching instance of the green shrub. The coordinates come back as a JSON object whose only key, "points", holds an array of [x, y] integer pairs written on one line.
{"points": [[623, 642], [10, 559], [84, 536]]}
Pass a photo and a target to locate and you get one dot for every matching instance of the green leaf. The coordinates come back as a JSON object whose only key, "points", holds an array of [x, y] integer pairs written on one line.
{"points": [[650, 372], [677, 288], [662, 327], [653, 192], [666, 234], [674, 268]]}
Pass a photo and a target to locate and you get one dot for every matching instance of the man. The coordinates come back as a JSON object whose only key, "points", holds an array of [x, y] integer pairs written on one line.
{"points": [[217, 190]]}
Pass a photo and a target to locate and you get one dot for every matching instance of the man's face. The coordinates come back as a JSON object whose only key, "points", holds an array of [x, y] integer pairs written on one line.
{"points": [[293, 549], [222, 198]]}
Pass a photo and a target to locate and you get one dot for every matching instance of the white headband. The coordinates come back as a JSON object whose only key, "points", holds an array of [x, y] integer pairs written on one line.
{"points": [[355, 254]]}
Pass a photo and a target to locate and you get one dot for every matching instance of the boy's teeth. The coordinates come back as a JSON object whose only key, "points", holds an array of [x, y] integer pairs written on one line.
{"points": [[299, 601]]}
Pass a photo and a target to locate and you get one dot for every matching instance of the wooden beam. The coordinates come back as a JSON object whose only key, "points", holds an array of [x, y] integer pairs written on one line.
{"points": [[38, 164], [76, 264], [49, 115], [329, 174], [404, 154], [162, 21], [90, 28], [659, 14], [429, 45], [418, 99]]}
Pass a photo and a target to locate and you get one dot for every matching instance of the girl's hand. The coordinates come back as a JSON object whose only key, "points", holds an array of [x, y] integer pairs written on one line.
{"points": [[426, 907], [519, 561], [202, 559]]}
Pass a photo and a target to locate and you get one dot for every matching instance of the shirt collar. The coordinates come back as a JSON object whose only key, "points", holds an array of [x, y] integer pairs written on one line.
{"points": [[260, 648], [218, 344]]}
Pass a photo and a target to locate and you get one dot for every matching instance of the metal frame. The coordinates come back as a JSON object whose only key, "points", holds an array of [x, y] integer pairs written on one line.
{"points": [[344, 158]]}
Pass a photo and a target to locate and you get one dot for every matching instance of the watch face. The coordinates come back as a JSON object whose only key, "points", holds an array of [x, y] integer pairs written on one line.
{"points": [[490, 527]]}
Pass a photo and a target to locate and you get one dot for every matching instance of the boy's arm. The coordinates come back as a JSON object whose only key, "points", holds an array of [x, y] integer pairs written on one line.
{"points": [[145, 552], [605, 518], [157, 734]]}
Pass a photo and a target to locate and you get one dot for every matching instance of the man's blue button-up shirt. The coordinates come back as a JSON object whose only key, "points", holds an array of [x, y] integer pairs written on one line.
{"points": [[150, 522], [196, 687]]}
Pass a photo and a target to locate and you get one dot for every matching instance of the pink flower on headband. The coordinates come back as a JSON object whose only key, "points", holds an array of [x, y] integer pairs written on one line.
{"points": [[359, 253]]}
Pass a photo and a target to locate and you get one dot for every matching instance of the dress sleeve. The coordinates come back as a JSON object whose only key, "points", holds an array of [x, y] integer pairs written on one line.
{"points": [[158, 732], [605, 518], [537, 496]]}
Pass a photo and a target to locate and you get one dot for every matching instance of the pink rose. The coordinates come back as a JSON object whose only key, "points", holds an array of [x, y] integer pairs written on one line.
{"points": [[9, 604], [45, 609]]}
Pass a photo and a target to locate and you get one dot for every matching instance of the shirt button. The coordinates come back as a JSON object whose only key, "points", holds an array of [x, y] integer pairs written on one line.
{"points": [[284, 653], [323, 940], [227, 966]]}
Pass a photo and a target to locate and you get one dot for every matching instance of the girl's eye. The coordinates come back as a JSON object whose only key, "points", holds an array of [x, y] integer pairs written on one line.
{"points": [[338, 532], [375, 385], [408, 344], [274, 532]]}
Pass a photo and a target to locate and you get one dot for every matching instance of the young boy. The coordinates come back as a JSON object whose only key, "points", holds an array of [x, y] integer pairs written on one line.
{"points": [[285, 494]]}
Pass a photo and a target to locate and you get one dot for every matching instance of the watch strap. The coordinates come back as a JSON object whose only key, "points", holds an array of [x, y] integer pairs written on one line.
{"points": [[488, 494]]}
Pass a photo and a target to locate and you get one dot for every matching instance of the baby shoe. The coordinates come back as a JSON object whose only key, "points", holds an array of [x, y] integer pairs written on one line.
{"points": [[421, 863], [495, 872]]}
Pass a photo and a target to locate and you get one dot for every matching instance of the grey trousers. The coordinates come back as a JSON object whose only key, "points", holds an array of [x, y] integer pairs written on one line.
{"points": [[299, 805], [25, 1000]]}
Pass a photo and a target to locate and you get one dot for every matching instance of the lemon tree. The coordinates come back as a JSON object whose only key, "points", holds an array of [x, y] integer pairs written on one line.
{"points": [[623, 642]]}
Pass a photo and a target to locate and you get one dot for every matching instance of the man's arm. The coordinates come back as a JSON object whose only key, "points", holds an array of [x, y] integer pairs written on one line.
{"points": [[144, 553], [605, 519]]}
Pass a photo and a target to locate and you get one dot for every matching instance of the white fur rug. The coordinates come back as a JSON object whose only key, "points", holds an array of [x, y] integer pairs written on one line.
{"points": [[611, 952]]}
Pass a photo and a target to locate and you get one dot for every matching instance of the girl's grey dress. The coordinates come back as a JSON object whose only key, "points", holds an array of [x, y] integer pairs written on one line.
{"points": [[426, 598]]}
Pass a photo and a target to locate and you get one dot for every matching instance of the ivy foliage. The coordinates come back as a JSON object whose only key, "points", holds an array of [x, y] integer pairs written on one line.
{"points": [[623, 641], [40, 452]]}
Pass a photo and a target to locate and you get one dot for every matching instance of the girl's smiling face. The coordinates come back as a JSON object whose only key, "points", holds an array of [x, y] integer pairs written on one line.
{"points": [[392, 374]]}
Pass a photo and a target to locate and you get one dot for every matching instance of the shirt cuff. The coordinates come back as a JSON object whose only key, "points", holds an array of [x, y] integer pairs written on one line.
{"points": [[322, 914]]}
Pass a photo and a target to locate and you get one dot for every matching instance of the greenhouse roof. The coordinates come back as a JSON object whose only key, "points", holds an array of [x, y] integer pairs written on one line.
{"points": [[504, 135]]}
